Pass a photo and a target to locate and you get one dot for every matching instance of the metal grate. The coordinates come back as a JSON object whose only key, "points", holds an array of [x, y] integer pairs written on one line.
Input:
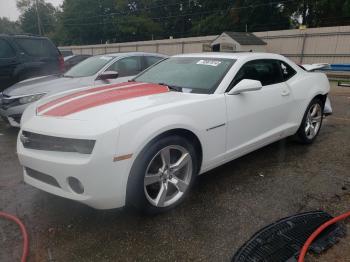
{"points": [[42, 177], [282, 240]]}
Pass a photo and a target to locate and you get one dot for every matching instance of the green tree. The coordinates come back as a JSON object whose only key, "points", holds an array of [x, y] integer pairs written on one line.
{"points": [[37, 16], [316, 13], [9, 27], [87, 21], [101, 21], [241, 15], [135, 21]]}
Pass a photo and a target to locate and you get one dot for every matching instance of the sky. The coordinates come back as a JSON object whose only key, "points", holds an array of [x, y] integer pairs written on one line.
{"points": [[8, 8]]}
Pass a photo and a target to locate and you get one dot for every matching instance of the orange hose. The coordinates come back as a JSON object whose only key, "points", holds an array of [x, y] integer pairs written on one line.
{"points": [[317, 232], [25, 251]]}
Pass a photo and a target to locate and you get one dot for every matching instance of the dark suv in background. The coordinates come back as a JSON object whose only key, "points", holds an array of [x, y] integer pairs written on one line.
{"points": [[25, 56]]}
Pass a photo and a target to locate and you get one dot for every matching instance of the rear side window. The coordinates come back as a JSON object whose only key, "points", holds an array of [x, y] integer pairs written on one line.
{"points": [[128, 66], [37, 47], [66, 53], [150, 60], [6, 50], [287, 71], [267, 71]]}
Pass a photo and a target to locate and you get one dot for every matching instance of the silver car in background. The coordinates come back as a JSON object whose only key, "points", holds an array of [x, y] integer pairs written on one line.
{"points": [[94, 71]]}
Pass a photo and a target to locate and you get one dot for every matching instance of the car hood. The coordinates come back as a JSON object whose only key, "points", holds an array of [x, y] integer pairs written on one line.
{"points": [[46, 84], [119, 102]]}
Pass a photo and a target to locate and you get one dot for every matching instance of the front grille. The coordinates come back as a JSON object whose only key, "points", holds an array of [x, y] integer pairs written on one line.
{"points": [[42, 177], [59, 144]]}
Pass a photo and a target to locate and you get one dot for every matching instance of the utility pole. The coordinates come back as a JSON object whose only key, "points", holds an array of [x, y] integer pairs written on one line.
{"points": [[38, 17]]}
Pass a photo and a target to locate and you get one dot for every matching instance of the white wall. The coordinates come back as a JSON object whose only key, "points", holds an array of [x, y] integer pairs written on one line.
{"points": [[313, 45]]}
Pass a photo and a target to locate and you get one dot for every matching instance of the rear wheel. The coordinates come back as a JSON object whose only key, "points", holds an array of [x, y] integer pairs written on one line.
{"points": [[312, 122], [162, 175]]}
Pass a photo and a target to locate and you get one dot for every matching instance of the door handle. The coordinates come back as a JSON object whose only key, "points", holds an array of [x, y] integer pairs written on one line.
{"points": [[285, 92]]}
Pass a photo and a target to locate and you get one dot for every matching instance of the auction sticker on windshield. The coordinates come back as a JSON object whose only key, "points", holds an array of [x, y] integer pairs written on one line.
{"points": [[209, 62]]}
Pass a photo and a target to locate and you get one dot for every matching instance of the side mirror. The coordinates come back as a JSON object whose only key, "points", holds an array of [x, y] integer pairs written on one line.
{"points": [[107, 75], [245, 85]]}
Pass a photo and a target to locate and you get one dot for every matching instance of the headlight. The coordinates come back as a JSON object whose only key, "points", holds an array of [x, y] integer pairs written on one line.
{"points": [[30, 98]]}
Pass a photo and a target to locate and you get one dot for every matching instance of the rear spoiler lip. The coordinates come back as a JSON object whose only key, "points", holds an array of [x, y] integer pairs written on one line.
{"points": [[313, 67]]}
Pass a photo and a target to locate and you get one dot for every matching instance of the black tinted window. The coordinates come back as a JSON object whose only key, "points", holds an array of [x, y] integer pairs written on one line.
{"points": [[150, 60], [267, 71], [127, 66], [37, 47], [6, 50], [287, 71]]}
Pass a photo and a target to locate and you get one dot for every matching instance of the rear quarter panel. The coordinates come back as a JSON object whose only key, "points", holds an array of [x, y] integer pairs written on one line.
{"points": [[305, 86]]}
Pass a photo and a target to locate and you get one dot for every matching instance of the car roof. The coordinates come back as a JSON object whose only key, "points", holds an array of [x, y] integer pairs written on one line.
{"points": [[237, 55], [132, 53]]}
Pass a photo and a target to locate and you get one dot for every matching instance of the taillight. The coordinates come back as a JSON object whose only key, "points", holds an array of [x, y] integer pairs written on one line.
{"points": [[61, 63]]}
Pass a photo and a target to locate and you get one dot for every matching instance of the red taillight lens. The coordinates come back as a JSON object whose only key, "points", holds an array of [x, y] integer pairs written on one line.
{"points": [[61, 63]]}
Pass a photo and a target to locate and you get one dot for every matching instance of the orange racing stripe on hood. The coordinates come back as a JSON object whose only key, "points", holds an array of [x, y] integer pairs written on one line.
{"points": [[107, 97], [80, 93]]}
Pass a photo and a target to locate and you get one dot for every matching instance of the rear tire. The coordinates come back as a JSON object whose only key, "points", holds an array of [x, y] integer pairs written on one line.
{"points": [[162, 175], [311, 123]]}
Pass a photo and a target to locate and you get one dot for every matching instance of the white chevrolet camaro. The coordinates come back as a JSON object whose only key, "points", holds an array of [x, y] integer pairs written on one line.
{"points": [[143, 143]]}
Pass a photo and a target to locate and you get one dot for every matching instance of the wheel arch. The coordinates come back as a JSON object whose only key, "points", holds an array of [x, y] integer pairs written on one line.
{"points": [[322, 97], [187, 134]]}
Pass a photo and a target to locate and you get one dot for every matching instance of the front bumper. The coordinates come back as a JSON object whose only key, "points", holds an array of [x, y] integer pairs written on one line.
{"points": [[12, 115], [104, 181]]}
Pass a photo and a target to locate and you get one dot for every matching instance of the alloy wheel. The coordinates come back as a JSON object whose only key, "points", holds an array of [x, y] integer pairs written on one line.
{"points": [[313, 121], [168, 176]]}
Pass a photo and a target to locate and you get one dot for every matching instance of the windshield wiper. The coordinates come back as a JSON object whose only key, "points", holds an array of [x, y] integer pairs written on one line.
{"points": [[172, 87]]}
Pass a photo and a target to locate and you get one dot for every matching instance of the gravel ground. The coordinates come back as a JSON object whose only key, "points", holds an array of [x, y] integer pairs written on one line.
{"points": [[227, 205]]}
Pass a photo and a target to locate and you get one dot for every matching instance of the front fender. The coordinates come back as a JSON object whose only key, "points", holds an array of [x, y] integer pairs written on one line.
{"points": [[133, 138]]}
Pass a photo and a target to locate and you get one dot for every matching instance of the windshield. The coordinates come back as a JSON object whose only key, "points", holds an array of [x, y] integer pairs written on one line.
{"points": [[196, 74], [89, 66]]}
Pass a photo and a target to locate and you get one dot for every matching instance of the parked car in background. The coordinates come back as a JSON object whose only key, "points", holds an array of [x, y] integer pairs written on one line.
{"points": [[143, 143], [94, 71], [66, 53], [72, 60], [26, 56]]}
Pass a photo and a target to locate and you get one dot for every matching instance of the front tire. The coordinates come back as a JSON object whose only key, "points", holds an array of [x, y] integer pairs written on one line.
{"points": [[311, 123], [162, 175]]}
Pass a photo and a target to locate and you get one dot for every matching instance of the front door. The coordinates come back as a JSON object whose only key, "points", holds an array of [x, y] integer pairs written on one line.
{"points": [[257, 118]]}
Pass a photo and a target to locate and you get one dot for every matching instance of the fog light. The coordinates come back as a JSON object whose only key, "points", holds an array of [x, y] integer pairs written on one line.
{"points": [[75, 185]]}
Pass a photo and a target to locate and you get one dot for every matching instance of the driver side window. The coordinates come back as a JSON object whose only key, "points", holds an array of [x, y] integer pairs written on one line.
{"points": [[128, 66], [267, 71]]}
